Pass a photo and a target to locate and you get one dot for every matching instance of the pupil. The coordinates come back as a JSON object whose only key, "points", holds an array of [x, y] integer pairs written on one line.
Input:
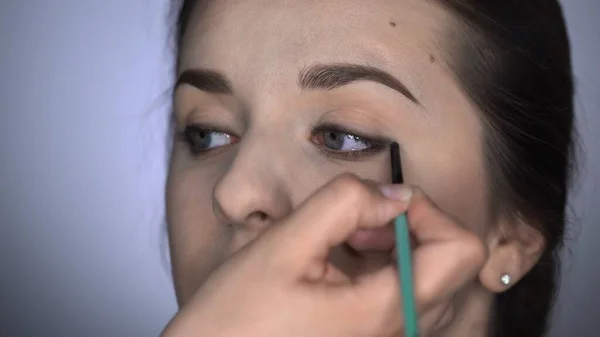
{"points": [[200, 139], [333, 140]]}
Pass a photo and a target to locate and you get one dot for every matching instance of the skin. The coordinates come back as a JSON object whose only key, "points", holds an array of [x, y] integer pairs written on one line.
{"points": [[225, 198]]}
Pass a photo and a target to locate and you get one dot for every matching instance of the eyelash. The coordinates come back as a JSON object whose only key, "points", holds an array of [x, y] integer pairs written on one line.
{"points": [[374, 144], [186, 135]]}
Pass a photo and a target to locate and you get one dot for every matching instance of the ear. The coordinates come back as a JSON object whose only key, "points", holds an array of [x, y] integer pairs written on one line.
{"points": [[515, 247]]}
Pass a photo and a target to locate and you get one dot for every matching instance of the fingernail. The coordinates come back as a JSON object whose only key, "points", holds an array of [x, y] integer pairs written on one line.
{"points": [[397, 192]]}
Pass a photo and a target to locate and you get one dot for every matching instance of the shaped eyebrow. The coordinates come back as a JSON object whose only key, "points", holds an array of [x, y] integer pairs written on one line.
{"points": [[332, 76], [205, 80]]}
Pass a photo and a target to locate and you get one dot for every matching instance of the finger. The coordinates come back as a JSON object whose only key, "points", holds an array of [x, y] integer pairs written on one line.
{"points": [[333, 213], [438, 317], [378, 299], [371, 305], [413, 246], [447, 255], [428, 223]]}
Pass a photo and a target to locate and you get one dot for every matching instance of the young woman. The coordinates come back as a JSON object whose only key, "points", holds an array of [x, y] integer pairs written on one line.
{"points": [[277, 205]]}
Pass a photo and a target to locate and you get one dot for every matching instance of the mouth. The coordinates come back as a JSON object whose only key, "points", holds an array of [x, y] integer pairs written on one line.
{"points": [[365, 251], [372, 241]]}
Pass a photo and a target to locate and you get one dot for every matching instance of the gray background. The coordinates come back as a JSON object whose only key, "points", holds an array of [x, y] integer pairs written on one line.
{"points": [[83, 106]]}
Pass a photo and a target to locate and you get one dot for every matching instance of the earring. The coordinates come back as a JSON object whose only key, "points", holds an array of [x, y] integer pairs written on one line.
{"points": [[505, 279]]}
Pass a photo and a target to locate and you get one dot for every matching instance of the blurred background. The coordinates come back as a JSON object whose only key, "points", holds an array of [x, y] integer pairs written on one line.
{"points": [[83, 105]]}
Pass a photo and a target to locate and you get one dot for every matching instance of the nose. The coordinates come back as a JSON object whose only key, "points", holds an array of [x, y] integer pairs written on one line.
{"points": [[252, 192]]}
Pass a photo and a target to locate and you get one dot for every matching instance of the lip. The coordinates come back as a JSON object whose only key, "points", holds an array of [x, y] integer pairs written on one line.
{"points": [[374, 240]]}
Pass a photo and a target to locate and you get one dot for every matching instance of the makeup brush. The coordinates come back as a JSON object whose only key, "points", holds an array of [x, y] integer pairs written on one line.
{"points": [[403, 254]]}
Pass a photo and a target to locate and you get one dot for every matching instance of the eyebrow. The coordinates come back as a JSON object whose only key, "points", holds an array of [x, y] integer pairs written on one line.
{"points": [[205, 80], [332, 76], [315, 77]]}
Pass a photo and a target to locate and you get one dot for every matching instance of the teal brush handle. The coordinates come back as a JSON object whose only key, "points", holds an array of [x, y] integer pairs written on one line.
{"points": [[404, 260]]}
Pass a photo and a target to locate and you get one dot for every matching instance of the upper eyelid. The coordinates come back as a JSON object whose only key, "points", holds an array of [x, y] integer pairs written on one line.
{"points": [[364, 139], [211, 128], [218, 113], [210, 109], [363, 135]]}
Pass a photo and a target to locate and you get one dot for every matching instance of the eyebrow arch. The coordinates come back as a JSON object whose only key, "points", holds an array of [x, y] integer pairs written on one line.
{"points": [[206, 80], [332, 76]]}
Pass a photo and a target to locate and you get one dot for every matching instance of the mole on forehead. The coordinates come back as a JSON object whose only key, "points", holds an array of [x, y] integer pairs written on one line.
{"points": [[195, 46]]}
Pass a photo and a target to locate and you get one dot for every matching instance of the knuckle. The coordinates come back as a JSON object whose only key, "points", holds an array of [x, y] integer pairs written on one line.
{"points": [[350, 189], [346, 179], [421, 206], [440, 316], [426, 295], [418, 212], [475, 251]]}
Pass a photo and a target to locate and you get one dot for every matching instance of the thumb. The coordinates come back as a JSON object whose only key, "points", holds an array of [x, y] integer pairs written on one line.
{"points": [[332, 214], [373, 300], [447, 255]]}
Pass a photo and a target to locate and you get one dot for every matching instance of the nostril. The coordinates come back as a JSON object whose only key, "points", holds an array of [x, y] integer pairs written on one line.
{"points": [[257, 221], [262, 216]]}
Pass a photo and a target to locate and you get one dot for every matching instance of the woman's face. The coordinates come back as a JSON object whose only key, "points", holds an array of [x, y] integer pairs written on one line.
{"points": [[278, 97]]}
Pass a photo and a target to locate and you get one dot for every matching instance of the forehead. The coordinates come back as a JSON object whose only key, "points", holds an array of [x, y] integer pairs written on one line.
{"points": [[249, 38]]}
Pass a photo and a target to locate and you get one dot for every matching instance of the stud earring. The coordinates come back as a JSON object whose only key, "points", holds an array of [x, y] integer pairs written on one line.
{"points": [[505, 279]]}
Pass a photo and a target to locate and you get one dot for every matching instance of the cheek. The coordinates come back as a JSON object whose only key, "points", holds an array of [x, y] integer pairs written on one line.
{"points": [[450, 168], [460, 191], [197, 241], [448, 157]]}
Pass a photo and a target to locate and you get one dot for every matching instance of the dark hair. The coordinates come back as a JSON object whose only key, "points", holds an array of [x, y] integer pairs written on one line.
{"points": [[513, 60]]}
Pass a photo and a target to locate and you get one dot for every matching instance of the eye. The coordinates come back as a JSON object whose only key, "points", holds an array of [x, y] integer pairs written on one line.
{"points": [[200, 139], [342, 141], [337, 142]]}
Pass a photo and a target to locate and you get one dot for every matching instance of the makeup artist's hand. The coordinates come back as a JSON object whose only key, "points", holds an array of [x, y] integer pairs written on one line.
{"points": [[282, 284]]}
